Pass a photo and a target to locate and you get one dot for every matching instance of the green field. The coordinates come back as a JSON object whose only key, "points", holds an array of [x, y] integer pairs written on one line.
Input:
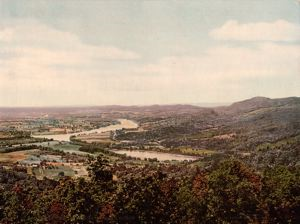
{"points": [[66, 147], [198, 152], [53, 173]]}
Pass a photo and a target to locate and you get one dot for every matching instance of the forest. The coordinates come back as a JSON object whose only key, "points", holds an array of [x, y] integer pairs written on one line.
{"points": [[228, 192]]}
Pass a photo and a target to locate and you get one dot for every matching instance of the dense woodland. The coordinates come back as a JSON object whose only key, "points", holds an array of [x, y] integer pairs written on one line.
{"points": [[230, 192]]}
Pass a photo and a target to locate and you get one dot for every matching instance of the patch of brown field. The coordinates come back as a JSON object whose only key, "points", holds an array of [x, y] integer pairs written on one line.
{"points": [[80, 169], [4, 135], [134, 130], [103, 135], [64, 164], [115, 178], [226, 136], [96, 137], [55, 163], [14, 157]]}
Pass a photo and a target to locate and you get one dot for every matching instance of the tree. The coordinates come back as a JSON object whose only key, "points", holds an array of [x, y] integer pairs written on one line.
{"points": [[99, 170], [281, 194], [18, 204], [233, 195], [146, 199], [75, 201]]}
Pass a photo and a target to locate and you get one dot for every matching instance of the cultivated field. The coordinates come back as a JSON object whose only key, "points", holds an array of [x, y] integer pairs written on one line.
{"points": [[13, 157]]}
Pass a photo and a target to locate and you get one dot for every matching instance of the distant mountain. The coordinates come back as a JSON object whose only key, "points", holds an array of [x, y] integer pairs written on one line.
{"points": [[155, 110], [158, 110], [259, 103]]}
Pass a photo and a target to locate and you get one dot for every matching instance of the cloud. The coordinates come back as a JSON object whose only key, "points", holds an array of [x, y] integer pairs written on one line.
{"points": [[40, 66], [279, 30], [221, 73], [37, 43], [6, 35], [223, 62]]}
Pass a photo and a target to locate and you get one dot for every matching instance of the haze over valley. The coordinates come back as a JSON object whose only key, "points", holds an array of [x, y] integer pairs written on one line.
{"points": [[149, 112]]}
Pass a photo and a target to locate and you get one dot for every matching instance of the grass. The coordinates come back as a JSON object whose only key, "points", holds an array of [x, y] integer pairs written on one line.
{"points": [[198, 164], [66, 147], [53, 173], [255, 112], [197, 152], [279, 144], [205, 134]]}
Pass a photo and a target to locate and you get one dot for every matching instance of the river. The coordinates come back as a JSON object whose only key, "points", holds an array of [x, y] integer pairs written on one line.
{"points": [[124, 123]]}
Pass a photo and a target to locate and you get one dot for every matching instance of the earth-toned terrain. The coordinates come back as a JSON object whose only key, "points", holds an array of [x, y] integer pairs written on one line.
{"points": [[152, 164]]}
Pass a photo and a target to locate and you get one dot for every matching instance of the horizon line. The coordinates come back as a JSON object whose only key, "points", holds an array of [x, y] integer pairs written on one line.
{"points": [[204, 104], [120, 105]]}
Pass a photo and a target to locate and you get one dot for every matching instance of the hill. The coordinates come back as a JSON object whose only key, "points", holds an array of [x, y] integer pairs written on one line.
{"points": [[247, 126]]}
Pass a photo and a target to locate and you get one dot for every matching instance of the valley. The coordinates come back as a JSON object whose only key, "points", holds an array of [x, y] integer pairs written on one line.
{"points": [[260, 131], [176, 158]]}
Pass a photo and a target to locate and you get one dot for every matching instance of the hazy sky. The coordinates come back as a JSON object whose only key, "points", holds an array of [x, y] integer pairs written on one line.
{"points": [[70, 52]]}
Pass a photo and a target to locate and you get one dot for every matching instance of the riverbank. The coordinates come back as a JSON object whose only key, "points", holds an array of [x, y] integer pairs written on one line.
{"points": [[124, 124]]}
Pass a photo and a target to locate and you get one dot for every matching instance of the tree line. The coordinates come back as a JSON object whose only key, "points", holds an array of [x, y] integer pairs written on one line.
{"points": [[229, 192]]}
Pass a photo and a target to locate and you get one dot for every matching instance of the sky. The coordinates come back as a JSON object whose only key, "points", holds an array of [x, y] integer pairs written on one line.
{"points": [[132, 52]]}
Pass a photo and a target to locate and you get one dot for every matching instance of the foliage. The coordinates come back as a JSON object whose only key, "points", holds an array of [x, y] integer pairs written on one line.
{"points": [[281, 194], [230, 192]]}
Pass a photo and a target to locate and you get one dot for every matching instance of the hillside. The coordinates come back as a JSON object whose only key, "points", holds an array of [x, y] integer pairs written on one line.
{"points": [[258, 103], [246, 164], [243, 127]]}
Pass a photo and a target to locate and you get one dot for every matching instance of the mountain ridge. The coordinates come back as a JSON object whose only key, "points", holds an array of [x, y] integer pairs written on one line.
{"points": [[236, 107]]}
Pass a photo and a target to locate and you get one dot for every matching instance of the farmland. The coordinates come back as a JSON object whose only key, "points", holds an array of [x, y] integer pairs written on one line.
{"points": [[174, 159]]}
